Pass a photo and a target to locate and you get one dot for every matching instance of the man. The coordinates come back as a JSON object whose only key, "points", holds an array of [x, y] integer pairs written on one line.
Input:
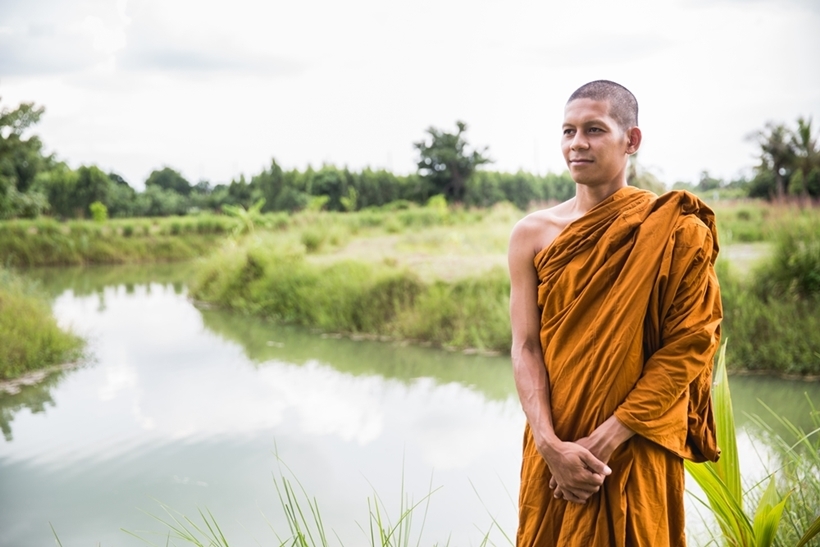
{"points": [[615, 313]]}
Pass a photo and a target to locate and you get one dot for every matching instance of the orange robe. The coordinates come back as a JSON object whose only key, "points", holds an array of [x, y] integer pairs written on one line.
{"points": [[630, 323]]}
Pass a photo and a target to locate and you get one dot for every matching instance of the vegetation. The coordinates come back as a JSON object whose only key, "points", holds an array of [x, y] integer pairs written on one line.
{"points": [[306, 527], [47, 242], [789, 162], [727, 497], [279, 283], [436, 283], [773, 316], [446, 163], [29, 335]]}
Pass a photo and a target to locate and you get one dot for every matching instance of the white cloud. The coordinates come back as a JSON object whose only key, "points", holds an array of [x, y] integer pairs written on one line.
{"points": [[218, 89]]}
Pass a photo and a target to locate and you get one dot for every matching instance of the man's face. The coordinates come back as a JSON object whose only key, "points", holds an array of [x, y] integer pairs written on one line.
{"points": [[595, 147]]}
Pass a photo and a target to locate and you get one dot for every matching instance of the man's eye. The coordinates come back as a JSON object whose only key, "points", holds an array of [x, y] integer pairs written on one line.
{"points": [[594, 130], [568, 131]]}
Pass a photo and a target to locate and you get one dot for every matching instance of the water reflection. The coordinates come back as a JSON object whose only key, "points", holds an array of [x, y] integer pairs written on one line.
{"points": [[264, 341], [170, 410], [186, 406], [34, 398]]}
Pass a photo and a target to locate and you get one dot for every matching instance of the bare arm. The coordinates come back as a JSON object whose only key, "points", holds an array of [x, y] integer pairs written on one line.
{"points": [[577, 473]]}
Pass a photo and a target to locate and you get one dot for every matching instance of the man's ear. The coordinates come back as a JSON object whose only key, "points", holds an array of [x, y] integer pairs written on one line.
{"points": [[633, 135]]}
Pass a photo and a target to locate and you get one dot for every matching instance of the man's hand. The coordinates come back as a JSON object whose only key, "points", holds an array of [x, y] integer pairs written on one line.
{"points": [[576, 472], [600, 444]]}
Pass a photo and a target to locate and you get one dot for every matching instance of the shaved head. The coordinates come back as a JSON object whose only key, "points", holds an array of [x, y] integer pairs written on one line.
{"points": [[623, 106]]}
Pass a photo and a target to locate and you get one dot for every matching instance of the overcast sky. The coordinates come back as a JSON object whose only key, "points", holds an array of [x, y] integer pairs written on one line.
{"points": [[216, 89]]}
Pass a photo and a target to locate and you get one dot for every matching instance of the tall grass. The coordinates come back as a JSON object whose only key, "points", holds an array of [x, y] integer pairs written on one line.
{"points": [[30, 338]]}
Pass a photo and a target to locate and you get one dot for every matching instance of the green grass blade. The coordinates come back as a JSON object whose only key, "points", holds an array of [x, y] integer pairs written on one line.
{"points": [[56, 538], [813, 531]]}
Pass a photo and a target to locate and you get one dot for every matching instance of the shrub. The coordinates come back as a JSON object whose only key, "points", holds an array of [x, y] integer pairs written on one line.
{"points": [[99, 212]]}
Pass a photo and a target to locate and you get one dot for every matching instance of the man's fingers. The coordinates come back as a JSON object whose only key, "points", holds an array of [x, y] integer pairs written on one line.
{"points": [[595, 465], [574, 496]]}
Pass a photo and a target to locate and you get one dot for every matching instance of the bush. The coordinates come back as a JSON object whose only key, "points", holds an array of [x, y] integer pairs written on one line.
{"points": [[99, 212], [794, 270]]}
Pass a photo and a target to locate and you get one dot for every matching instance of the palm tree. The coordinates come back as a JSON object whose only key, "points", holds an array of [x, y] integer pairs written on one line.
{"points": [[777, 155], [806, 153]]}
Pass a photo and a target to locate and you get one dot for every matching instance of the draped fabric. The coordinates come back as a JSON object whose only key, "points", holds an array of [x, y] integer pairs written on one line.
{"points": [[630, 324]]}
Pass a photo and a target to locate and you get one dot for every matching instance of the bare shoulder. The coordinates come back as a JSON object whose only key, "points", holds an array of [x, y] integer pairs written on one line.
{"points": [[537, 230]]}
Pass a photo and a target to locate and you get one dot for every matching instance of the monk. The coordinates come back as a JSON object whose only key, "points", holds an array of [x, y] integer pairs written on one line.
{"points": [[615, 311]]}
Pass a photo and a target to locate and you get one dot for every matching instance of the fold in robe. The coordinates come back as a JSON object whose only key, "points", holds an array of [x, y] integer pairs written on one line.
{"points": [[630, 324]]}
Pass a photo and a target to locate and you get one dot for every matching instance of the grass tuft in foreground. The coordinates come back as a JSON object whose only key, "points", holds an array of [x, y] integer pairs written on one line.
{"points": [[306, 527]]}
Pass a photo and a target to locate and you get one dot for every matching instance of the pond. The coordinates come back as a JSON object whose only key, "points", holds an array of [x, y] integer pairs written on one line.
{"points": [[189, 409]]}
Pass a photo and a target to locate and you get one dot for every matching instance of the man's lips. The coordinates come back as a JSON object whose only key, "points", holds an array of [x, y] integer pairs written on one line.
{"points": [[579, 160]]}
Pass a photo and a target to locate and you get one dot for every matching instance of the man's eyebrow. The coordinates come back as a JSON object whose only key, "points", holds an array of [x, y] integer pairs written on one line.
{"points": [[594, 121]]}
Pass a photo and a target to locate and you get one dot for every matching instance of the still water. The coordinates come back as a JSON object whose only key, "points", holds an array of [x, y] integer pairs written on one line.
{"points": [[188, 408]]}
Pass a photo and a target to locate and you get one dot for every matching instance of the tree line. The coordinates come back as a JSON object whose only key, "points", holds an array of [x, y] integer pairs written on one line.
{"points": [[33, 183]]}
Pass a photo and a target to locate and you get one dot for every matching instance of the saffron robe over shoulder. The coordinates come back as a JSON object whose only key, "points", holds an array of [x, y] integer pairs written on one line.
{"points": [[630, 324]]}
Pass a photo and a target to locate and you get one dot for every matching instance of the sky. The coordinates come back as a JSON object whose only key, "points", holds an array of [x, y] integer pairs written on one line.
{"points": [[218, 89]]}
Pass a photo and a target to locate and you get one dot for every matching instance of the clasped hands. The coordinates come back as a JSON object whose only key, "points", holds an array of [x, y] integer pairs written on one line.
{"points": [[579, 468]]}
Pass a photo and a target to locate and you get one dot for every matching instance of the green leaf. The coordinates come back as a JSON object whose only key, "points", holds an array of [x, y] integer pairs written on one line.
{"points": [[767, 516], [728, 467], [813, 530], [733, 522]]}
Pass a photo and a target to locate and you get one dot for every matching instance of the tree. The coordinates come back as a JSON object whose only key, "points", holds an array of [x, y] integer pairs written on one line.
{"points": [[169, 179], [446, 163], [804, 178], [92, 185], [777, 156], [21, 159]]}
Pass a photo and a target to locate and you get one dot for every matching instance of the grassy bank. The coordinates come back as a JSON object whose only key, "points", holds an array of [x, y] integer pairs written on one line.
{"points": [[357, 297], [47, 242], [446, 285], [29, 336]]}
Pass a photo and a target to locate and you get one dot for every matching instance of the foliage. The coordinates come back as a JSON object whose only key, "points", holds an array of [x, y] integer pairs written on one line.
{"points": [[789, 162], [793, 272], [725, 497], [99, 212], [168, 179], [279, 283], [799, 462], [773, 316], [46, 242], [29, 336], [246, 218], [21, 159], [446, 163], [721, 482]]}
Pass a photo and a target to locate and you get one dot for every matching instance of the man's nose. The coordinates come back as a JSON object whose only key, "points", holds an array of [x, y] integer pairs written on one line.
{"points": [[579, 141]]}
